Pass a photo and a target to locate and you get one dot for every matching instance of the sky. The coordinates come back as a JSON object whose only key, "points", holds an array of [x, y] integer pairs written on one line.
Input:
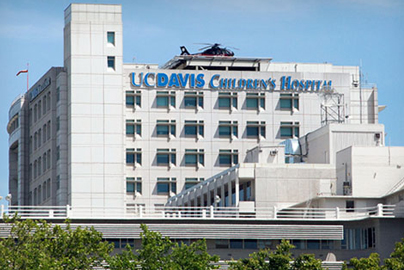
{"points": [[369, 33]]}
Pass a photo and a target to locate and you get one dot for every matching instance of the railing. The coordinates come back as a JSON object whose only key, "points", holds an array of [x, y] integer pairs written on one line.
{"points": [[209, 212]]}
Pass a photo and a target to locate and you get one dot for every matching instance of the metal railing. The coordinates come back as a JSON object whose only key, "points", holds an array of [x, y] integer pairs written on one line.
{"points": [[209, 212]]}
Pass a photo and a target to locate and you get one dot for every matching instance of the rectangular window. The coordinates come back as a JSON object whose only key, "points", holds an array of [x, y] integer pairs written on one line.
{"points": [[193, 100], [166, 157], [289, 130], [228, 157], [57, 123], [227, 100], [222, 243], [250, 244], [166, 186], [194, 128], [134, 156], [133, 185], [255, 101], [228, 129], [111, 62], [57, 152], [57, 94], [165, 99], [111, 38], [194, 157], [255, 129], [133, 99], [236, 243], [289, 101], [165, 128], [134, 127], [192, 181]]}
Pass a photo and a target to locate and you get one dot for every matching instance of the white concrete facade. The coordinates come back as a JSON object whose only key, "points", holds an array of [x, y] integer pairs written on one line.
{"points": [[121, 138]]}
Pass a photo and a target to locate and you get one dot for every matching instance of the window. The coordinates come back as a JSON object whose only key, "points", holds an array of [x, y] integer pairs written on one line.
{"points": [[111, 62], [48, 98], [39, 137], [44, 133], [133, 99], [49, 159], [39, 194], [228, 129], [194, 157], [165, 128], [39, 109], [58, 182], [35, 168], [227, 100], [44, 105], [193, 100], [192, 181], [255, 101], [48, 184], [44, 191], [134, 156], [289, 101], [57, 152], [193, 128], [35, 112], [236, 243], [228, 157], [165, 99], [350, 206], [289, 130], [58, 94], [359, 238], [39, 166], [255, 129], [31, 146], [165, 157], [134, 127], [111, 38], [48, 135], [133, 185], [166, 185], [57, 123], [35, 140], [44, 162], [222, 243]]}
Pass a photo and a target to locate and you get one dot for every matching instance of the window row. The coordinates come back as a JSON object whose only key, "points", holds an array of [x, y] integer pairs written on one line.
{"points": [[41, 136], [40, 108], [226, 100], [192, 157], [41, 193], [164, 186], [226, 129], [40, 165], [271, 244]]}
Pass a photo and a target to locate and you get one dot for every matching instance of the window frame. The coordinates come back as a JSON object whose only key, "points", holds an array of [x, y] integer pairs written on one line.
{"points": [[197, 154], [259, 98], [233, 129], [169, 182], [137, 99], [260, 127], [293, 127], [136, 182], [109, 42], [111, 63], [231, 99], [292, 100], [170, 125], [232, 154], [133, 156], [199, 128], [197, 97], [169, 96], [136, 125], [171, 156]]}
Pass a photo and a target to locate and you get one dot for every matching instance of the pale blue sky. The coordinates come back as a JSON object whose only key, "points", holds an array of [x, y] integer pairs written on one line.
{"points": [[342, 32]]}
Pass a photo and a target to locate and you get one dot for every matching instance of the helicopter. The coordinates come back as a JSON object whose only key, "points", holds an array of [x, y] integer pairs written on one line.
{"points": [[210, 50]]}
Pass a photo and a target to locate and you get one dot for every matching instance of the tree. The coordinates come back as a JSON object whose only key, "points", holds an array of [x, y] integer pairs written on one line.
{"points": [[396, 260], [370, 263], [280, 259], [157, 252], [39, 245]]}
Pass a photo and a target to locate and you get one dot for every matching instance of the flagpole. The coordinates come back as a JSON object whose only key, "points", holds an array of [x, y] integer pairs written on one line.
{"points": [[27, 77]]}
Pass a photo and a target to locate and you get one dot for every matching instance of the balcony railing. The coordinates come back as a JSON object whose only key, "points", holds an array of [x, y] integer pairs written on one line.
{"points": [[210, 212]]}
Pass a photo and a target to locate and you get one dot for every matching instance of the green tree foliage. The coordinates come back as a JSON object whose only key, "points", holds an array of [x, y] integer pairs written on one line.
{"points": [[371, 263], [39, 245], [396, 260], [280, 259], [158, 252]]}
